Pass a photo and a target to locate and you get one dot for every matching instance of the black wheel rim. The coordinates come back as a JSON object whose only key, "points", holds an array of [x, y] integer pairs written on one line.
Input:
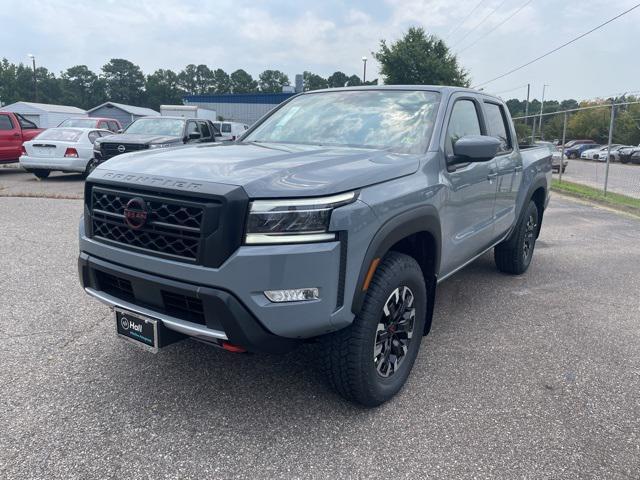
{"points": [[394, 331], [529, 237]]}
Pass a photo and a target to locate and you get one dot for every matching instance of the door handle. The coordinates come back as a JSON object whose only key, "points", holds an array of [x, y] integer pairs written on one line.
{"points": [[16, 134], [518, 168]]}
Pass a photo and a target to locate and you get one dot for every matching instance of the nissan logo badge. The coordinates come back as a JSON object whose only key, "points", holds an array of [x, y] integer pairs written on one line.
{"points": [[136, 213], [121, 148]]}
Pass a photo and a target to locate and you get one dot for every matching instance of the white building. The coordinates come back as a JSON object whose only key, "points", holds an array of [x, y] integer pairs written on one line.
{"points": [[44, 115], [239, 107]]}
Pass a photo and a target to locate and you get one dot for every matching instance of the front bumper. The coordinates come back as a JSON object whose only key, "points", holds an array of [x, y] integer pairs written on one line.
{"points": [[62, 164], [224, 317]]}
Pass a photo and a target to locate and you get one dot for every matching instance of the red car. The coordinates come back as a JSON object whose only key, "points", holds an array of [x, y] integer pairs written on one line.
{"points": [[93, 122], [14, 130]]}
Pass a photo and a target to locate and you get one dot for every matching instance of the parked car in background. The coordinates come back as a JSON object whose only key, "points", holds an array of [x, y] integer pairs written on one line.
{"points": [[555, 162], [110, 124], [14, 131], [573, 143], [576, 150], [624, 154], [597, 153], [155, 132], [61, 149], [614, 155], [230, 130], [635, 157]]}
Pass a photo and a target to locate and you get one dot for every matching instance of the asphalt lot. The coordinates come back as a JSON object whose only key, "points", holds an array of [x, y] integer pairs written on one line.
{"points": [[624, 179], [16, 182], [534, 376]]}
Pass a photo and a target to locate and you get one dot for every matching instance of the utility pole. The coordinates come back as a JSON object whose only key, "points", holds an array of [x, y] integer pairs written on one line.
{"points": [[606, 172], [544, 87], [364, 72], [526, 105], [35, 80]]}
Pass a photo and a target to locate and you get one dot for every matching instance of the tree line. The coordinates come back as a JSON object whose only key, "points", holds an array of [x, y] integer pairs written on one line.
{"points": [[590, 124], [120, 80]]}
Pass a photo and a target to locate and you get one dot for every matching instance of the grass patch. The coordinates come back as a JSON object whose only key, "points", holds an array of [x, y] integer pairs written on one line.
{"points": [[614, 200]]}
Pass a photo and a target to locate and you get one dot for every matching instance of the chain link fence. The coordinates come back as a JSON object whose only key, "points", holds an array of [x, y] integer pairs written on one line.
{"points": [[610, 163]]}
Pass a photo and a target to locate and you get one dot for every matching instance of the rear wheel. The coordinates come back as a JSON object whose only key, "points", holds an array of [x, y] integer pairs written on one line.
{"points": [[369, 361], [41, 174], [514, 254]]}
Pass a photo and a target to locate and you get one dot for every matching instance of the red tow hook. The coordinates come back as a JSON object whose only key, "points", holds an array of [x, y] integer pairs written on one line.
{"points": [[230, 347]]}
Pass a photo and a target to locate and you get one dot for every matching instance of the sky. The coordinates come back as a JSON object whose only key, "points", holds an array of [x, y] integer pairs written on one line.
{"points": [[330, 35]]}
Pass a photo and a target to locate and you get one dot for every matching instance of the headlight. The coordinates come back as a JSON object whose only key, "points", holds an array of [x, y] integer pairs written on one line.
{"points": [[160, 145], [293, 220], [96, 146]]}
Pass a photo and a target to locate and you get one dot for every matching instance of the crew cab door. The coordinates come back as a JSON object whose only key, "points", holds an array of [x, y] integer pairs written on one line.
{"points": [[508, 164], [10, 138], [467, 213]]}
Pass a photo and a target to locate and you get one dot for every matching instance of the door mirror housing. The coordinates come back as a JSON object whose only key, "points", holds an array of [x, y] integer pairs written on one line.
{"points": [[194, 136], [475, 148]]}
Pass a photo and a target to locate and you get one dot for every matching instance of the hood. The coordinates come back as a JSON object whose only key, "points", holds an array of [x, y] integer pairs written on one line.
{"points": [[139, 138], [270, 171]]}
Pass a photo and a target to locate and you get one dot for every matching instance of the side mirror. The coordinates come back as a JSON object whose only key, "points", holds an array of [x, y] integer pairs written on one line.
{"points": [[120, 130], [194, 136], [475, 148]]}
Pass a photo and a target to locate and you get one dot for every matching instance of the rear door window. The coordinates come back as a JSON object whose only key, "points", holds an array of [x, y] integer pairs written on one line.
{"points": [[497, 126], [5, 123]]}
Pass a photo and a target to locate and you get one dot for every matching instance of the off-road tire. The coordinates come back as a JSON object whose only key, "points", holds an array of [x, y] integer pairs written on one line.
{"points": [[512, 256], [348, 357], [41, 174]]}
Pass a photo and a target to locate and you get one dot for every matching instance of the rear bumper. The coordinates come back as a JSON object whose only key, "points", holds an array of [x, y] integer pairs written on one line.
{"points": [[224, 316], [54, 163]]}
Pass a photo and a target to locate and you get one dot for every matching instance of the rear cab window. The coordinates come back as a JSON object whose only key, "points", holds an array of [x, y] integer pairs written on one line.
{"points": [[26, 124], [497, 126]]}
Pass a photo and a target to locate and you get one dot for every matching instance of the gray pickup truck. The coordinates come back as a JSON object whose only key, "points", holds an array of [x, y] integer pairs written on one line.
{"points": [[331, 221]]}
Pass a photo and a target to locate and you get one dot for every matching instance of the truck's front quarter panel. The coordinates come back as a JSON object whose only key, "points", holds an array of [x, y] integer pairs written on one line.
{"points": [[240, 278]]}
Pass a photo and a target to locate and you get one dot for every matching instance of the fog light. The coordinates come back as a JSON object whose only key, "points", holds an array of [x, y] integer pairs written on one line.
{"points": [[293, 295]]}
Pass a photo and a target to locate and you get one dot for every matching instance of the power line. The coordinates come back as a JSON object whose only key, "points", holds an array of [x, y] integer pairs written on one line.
{"points": [[481, 22], [455, 29], [495, 28], [590, 107], [510, 90], [558, 48]]}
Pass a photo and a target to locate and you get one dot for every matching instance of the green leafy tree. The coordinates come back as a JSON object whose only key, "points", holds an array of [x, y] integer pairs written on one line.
{"points": [[354, 81], [242, 82], [7, 82], [81, 87], [187, 80], [124, 81], [162, 88], [221, 81], [419, 59], [311, 81], [337, 80], [272, 81]]}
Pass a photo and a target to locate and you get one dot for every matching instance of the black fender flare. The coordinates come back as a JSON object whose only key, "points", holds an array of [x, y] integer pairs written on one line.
{"points": [[539, 182], [421, 219]]}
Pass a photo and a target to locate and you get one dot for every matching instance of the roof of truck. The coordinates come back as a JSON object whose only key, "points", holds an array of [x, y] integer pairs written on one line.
{"points": [[433, 88]]}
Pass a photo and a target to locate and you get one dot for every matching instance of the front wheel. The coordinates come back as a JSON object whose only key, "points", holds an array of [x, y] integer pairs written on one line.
{"points": [[91, 166], [370, 361], [514, 254]]}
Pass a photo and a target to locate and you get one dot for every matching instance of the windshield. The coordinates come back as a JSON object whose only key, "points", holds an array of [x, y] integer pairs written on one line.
{"points": [[157, 126], [62, 134], [78, 122], [397, 120]]}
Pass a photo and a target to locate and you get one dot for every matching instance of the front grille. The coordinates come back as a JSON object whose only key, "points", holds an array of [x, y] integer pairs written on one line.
{"points": [[174, 227], [108, 149], [183, 306], [116, 286]]}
